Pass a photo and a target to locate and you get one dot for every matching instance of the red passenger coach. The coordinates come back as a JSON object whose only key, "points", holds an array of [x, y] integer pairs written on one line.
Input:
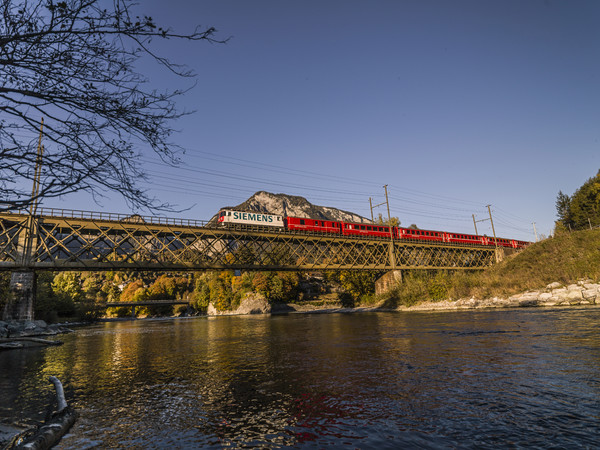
{"points": [[314, 225], [362, 229], [466, 238], [428, 235]]}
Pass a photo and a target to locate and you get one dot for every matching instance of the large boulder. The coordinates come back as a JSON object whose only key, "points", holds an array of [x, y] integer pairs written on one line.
{"points": [[251, 304], [254, 304]]}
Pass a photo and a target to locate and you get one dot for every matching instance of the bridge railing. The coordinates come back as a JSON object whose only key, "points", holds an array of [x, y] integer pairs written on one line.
{"points": [[130, 218]]}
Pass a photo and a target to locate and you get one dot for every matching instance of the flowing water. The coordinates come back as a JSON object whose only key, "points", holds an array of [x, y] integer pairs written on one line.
{"points": [[470, 379]]}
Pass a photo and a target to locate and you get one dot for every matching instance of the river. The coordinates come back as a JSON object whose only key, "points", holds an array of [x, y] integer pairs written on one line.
{"points": [[467, 379]]}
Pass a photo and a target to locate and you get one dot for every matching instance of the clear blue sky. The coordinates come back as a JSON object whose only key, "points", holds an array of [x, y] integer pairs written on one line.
{"points": [[453, 104]]}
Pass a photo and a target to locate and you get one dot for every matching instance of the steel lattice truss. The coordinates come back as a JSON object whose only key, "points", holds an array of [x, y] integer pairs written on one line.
{"points": [[67, 242]]}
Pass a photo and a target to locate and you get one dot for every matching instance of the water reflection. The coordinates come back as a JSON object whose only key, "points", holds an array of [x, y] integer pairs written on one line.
{"points": [[525, 377]]}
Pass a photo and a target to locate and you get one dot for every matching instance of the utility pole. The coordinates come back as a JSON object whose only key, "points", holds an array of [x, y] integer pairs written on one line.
{"points": [[38, 172], [371, 205], [535, 231], [590, 222], [388, 208], [392, 256], [493, 231], [30, 230], [475, 223]]}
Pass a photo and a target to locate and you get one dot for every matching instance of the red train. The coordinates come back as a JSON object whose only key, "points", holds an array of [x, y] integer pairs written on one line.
{"points": [[360, 229]]}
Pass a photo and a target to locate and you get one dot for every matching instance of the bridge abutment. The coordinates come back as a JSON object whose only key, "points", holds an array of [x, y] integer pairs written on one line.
{"points": [[388, 281], [21, 296]]}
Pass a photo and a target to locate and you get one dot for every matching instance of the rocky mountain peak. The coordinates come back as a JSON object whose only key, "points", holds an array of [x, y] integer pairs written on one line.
{"points": [[292, 205]]}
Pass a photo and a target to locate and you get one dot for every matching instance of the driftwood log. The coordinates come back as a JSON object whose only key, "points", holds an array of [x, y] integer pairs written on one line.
{"points": [[49, 434]]}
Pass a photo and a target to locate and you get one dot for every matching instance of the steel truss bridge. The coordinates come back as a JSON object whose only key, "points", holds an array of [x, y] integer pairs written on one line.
{"points": [[82, 240]]}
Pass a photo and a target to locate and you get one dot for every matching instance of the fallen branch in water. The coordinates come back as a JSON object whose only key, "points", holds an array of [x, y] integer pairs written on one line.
{"points": [[53, 430]]}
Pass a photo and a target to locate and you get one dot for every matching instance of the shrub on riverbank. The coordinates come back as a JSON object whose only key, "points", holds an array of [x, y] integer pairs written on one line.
{"points": [[225, 291], [565, 258]]}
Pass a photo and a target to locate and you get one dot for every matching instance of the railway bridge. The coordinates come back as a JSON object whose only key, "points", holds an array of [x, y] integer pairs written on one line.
{"points": [[58, 239]]}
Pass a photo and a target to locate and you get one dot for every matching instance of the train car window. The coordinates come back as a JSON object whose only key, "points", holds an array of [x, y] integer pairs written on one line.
{"points": [[362, 227], [229, 213], [301, 221]]}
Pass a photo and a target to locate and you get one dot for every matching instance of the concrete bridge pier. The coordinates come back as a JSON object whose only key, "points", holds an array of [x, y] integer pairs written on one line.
{"points": [[388, 281], [21, 296]]}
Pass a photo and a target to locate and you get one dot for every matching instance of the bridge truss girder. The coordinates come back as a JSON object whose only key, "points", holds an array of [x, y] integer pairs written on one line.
{"points": [[76, 243]]}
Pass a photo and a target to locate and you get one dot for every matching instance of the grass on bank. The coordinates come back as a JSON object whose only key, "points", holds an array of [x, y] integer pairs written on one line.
{"points": [[565, 258]]}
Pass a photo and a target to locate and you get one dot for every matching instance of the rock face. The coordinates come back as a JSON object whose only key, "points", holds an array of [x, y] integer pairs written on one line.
{"points": [[251, 304], [585, 292], [13, 329], [290, 205], [18, 334]]}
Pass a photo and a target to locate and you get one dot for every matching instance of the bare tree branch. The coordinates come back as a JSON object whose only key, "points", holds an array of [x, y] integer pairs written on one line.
{"points": [[73, 63]]}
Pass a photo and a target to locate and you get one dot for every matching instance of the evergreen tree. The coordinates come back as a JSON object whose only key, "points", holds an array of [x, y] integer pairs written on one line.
{"points": [[563, 202], [582, 209]]}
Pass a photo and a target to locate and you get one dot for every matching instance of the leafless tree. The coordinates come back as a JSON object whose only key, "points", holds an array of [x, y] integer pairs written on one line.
{"points": [[73, 63]]}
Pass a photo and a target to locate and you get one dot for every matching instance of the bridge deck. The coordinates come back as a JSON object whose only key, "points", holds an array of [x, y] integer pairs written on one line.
{"points": [[75, 240]]}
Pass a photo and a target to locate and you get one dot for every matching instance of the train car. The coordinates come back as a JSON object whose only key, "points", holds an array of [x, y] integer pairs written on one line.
{"points": [[227, 216], [522, 244], [313, 225], [462, 238], [366, 229], [429, 235]]}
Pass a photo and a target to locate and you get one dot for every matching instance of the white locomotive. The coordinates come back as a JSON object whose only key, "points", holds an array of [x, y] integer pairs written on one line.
{"points": [[250, 218]]}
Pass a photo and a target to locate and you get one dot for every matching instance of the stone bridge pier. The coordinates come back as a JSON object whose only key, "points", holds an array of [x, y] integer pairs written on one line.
{"points": [[388, 281], [19, 305]]}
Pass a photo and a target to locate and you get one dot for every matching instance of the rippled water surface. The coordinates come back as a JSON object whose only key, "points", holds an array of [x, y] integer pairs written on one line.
{"points": [[373, 380]]}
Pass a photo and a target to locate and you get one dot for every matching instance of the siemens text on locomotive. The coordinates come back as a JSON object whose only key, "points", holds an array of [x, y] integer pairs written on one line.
{"points": [[358, 229]]}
